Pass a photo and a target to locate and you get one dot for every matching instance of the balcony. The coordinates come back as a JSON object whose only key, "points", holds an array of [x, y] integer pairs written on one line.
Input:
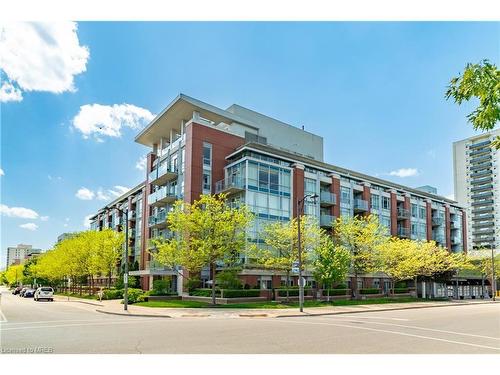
{"points": [[163, 174], [455, 240], [327, 199], [437, 221], [480, 144], [158, 221], [230, 185], [455, 224], [403, 213], [161, 197], [482, 181], [481, 166], [482, 195], [483, 202], [480, 151], [480, 159], [360, 205], [326, 221], [439, 238], [482, 188], [403, 232], [482, 217], [484, 224]]}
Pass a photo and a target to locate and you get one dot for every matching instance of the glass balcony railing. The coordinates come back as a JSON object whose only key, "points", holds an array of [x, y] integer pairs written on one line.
{"points": [[327, 198], [230, 185], [360, 205], [403, 232], [438, 238], [437, 221], [158, 219], [403, 213], [326, 220], [162, 196], [162, 174]]}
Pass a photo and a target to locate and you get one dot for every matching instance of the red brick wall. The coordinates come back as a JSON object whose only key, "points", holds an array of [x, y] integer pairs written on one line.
{"points": [[298, 187], [222, 143], [366, 196], [394, 214], [407, 206], [335, 188], [429, 221]]}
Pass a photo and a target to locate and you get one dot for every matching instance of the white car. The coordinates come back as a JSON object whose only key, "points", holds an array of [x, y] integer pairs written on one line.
{"points": [[44, 292]]}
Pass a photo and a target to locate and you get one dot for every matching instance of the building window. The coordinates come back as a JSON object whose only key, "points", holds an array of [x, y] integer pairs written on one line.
{"points": [[423, 212], [207, 185], [375, 202], [386, 203], [414, 210], [207, 154], [345, 195]]}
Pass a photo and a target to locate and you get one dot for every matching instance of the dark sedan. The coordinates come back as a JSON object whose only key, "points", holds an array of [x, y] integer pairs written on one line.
{"points": [[29, 293]]}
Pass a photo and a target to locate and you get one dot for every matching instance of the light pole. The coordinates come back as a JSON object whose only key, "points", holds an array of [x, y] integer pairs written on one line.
{"points": [[300, 209], [124, 212]]}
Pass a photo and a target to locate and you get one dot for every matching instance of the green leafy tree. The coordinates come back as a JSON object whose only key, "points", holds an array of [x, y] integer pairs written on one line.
{"points": [[480, 81], [281, 250], [331, 262], [362, 236], [208, 232], [14, 274]]}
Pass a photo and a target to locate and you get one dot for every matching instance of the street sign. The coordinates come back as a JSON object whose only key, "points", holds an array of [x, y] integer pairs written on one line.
{"points": [[295, 267]]}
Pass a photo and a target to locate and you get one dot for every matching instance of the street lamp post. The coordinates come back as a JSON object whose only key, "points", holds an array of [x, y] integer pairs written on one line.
{"points": [[300, 210], [493, 279]]}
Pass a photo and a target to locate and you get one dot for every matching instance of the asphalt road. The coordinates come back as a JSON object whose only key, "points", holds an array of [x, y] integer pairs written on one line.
{"points": [[72, 327]]}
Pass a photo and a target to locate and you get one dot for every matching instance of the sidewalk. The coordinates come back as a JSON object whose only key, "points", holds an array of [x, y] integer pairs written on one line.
{"points": [[116, 308]]}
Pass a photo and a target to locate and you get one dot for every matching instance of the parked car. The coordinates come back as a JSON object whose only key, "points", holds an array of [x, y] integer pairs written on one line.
{"points": [[44, 292], [21, 293], [29, 293], [17, 289]]}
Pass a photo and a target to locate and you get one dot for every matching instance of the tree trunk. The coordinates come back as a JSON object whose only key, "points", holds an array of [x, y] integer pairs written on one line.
{"points": [[355, 286], [212, 266], [328, 294], [287, 286]]}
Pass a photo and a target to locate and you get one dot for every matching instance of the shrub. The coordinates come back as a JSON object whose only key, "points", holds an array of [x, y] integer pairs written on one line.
{"points": [[401, 284], [369, 291], [160, 287], [193, 283], [340, 286], [237, 293], [228, 279], [292, 291], [336, 292], [204, 292], [112, 294], [135, 295]]}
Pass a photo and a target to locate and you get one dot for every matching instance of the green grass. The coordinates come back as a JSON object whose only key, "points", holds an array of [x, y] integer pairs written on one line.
{"points": [[277, 305]]}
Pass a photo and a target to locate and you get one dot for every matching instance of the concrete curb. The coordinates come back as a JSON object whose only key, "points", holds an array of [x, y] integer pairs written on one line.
{"points": [[130, 314], [377, 310], [84, 302]]}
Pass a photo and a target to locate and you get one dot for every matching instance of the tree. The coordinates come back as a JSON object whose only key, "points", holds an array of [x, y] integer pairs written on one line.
{"points": [[331, 262], [481, 260], [362, 236], [208, 232], [14, 274], [481, 81], [281, 245]]}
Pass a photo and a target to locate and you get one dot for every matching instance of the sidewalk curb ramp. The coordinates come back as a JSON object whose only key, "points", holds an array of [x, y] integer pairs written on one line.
{"points": [[378, 310], [130, 314]]}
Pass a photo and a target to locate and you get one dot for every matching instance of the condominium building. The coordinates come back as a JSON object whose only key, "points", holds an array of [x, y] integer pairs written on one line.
{"points": [[20, 253], [197, 148], [477, 187]]}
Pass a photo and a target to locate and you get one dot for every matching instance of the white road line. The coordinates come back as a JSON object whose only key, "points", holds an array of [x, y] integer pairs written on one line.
{"points": [[395, 333], [424, 329], [58, 321], [78, 325], [3, 318]]}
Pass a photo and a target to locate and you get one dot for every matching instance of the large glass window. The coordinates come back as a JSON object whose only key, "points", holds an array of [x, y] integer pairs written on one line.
{"points": [[375, 201], [423, 212], [386, 203], [263, 177], [345, 194], [207, 154], [207, 185], [414, 210]]}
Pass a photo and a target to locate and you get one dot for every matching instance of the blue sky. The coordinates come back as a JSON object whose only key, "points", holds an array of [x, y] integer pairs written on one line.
{"points": [[373, 90]]}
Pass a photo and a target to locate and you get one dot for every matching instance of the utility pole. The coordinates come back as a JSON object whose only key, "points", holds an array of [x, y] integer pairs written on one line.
{"points": [[300, 209], [493, 278]]}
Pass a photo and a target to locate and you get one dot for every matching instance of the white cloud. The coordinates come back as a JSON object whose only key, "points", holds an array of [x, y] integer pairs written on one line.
{"points": [[105, 120], [101, 196], [29, 226], [405, 172], [119, 190], [9, 93], [44, 218], [85, 194], [141, 163], [2, 173], [40, 57], [21, 212], [53, 178], [86, 221]]}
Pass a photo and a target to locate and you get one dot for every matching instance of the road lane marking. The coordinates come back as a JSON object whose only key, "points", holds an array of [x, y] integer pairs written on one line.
{"points": [[423, 328], [3, 317], [393, 332], [80, 325], [57, 321]]}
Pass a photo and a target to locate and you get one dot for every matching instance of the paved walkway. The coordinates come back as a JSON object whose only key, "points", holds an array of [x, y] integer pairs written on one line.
{"points": [[115, 307]]}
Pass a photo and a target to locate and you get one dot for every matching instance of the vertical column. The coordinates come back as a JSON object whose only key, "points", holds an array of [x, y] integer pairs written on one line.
{"points": [[407, 206], [429, 219], [464, 230], [447, 226], [366, 195], [394, 213], [335, 189], [145, 219], [298, 185]]}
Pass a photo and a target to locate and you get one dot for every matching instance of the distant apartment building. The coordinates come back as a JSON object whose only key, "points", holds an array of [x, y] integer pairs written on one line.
{"points": [[20, 253], [197, 148], [64, 236], [477, 187]]}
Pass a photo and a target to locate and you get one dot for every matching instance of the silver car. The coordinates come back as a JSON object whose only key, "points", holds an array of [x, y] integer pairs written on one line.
{"points": [[44, 292]]}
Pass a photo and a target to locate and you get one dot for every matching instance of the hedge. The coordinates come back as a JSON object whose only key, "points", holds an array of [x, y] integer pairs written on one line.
{"points": [[291, 292], [336, 292], [369, 291], [204, 292], [112, 294], [135, 295], [228, 293]]}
